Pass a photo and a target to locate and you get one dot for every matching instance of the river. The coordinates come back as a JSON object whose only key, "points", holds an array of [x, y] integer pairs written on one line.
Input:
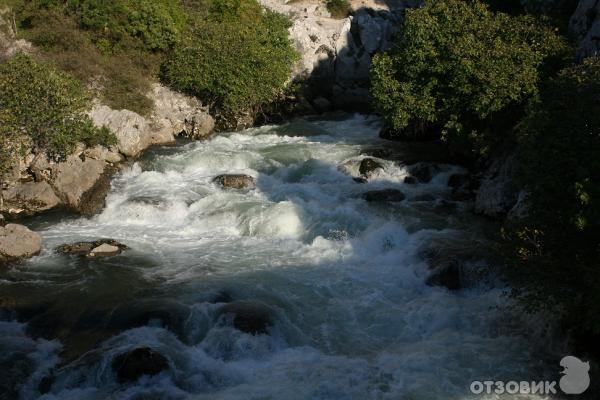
{"points": [[343, 280]]}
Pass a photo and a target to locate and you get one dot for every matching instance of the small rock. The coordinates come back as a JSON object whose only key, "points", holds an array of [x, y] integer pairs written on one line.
{"points": [[45, 384], [410, 180], [18, 242], [132, 365], [87, 248], [235, 181], [368, 167], [360, 179], [249, 317], [393, 195], [104, 250], [445, 272]]}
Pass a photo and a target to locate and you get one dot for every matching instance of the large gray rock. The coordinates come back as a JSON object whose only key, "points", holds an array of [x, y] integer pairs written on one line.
{"points": [[497, 193], [82, 184], [18, 242], [30, 197], [585, 28]]}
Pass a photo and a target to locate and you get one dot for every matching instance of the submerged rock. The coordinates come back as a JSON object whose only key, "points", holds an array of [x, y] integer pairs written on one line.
{"points": [[369, 167], [18, 242], [134, 364], [235, 181], [410, 180], [422, 172], [97, 248], [393, 195], [249, 317]]}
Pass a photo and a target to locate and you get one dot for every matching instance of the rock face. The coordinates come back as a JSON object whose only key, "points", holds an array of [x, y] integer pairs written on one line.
{"points": [[97, 248], [391, 195], [18, 242], [584, 26], [249, 317], [30, 198], [174, 114], [132, 365], [497, 194], [235, 181], [82, 184], [335, 54]]}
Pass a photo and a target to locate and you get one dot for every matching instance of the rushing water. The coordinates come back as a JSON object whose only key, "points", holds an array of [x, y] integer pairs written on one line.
{"points": [[343, 279]]}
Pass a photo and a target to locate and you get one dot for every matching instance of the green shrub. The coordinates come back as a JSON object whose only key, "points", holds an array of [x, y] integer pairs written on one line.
{"points": [[44, 105], [557, 247], [455, 66], [235, 58], [339, 8]]}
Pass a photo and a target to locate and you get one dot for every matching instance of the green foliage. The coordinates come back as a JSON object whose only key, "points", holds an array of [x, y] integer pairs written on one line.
{"points": [[339, 8], [557, 246], [46, 106], [120, 72], [456, 65], [235, 58]]}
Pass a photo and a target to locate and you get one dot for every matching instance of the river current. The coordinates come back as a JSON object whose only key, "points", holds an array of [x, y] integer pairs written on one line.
{"points": [[343, 280]]}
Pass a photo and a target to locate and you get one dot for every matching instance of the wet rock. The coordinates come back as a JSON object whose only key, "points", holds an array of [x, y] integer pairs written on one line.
{"points": [[30, 197], [392, 195], [235, 181], [132, 365], [18, 242], [45, 384], [82, 184], [422, 172], [249, 317], [446, 273], [360, 179], [463, 186], [104, 250], [369, 167], [97, 248]]}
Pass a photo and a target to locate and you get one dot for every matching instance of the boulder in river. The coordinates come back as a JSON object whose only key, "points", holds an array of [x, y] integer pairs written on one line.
{"points": [[393, 195], [248, 316], [235, 181], [369, 167], [18, 242], [422, 172], [134, 364], [97, 248], [30, 198]]}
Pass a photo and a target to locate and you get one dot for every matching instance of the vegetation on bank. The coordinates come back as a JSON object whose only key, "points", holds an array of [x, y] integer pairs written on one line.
{"points": [[481, 79], [43, 107], [460, 69], [556, 247], [338, 8], [237, 57], [230, 53]]}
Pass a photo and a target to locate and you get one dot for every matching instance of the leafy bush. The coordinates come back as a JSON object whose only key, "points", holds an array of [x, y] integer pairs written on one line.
{"points": [[45, 105], [455, 66], [557, 247], [236, 58], [339, 8]]}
